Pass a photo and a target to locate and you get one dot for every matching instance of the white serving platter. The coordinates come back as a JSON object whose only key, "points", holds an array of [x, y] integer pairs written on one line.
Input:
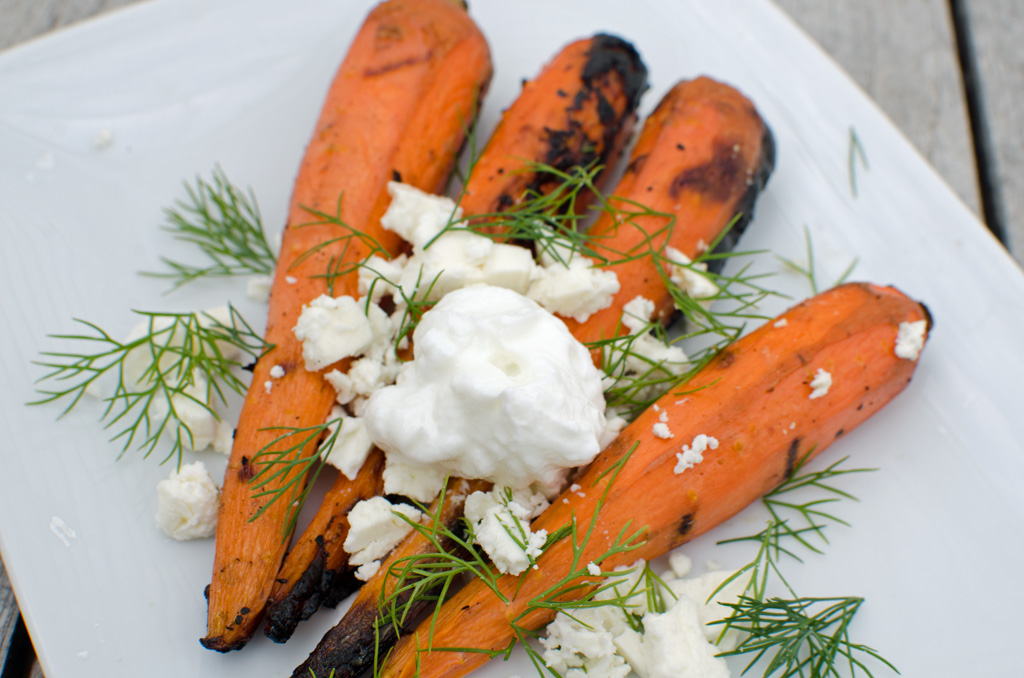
{"points": [[936, 541]]}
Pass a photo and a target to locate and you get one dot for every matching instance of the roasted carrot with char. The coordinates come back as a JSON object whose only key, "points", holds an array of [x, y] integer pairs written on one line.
{"points": [[579, 110], [400, 103], [324, 578], [703, 157], [754, 399], [348, 648]]}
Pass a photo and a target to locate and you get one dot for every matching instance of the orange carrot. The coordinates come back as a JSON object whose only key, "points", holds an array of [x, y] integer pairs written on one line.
{"points": [[703, 156], [399, 104], [754, 399], [580, 109], [316, 571], [349, 647]]}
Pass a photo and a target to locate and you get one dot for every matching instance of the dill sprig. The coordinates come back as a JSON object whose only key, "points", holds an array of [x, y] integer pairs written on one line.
{"points": [[809, 271], [856, 151], [283, 472], [803, 637], [807, 637], [175, 360], [338, 265], [225, 223]]}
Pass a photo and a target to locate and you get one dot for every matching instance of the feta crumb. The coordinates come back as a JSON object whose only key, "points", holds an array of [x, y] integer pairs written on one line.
{"points": [[663, 417], [268, 385], [662, 431], [103, 140], [637, 313], [690, 277], [224, 438], [351, 446], [501, 526], [694, 454], [781, 322], [821, 383], [680, 564], [187, 503], [375, 527], [593, 569], [575, 487], [276, 371], [910, 339], [331, 329], [575, 288], [257, 288], [419, 483], [342, 384], [291, 279], [366, 571]]}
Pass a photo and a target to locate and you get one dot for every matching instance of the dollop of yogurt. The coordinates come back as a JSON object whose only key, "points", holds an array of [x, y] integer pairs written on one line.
{"points": [[498, 390]]}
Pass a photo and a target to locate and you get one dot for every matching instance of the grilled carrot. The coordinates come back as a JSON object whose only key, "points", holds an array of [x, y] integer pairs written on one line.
{"points": [[754, 398], [703, 157], [413, 76], [315, 571], [348, 648], [580, 109]]}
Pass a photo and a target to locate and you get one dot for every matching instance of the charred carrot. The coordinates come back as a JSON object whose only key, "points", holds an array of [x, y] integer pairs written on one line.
{"points": [[580, 109], [754, 399], [399, 104], [348, 648], [316, 572], [702, 157]]}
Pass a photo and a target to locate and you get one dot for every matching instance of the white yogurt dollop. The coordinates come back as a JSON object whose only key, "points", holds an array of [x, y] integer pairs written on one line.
{"points": [[498, 390]]}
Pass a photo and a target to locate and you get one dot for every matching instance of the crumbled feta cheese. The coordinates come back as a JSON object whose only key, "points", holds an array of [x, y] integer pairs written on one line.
{"points": [[291, 279], [187, 503], [521, 397], [573, 289], [375, 529], [674, 645], [419, 483], [331, 329], [601, 641], [103, 140], [693, 454], [268, 385], [343, 386], [351, 445], [501, 526], [663, 417], [257, 288], [416, 216], [690, 277], [821, 383], [594, 569], [781, 322], [276, 371], [224, 438], [366, 571], [910, 339], [662, 431], [637, 313], [378, 277]]}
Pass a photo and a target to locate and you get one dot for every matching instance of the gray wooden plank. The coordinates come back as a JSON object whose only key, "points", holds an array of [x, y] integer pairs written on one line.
{"points": [[8, 615], [24, 19], [996, 30], [903, 54]]}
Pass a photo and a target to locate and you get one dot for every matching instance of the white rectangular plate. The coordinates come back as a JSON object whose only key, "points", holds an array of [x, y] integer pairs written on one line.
{"points": [[936, 542]]}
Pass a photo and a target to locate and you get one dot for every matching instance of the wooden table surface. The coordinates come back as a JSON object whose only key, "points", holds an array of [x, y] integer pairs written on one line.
{"points": [[949, 73]]}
